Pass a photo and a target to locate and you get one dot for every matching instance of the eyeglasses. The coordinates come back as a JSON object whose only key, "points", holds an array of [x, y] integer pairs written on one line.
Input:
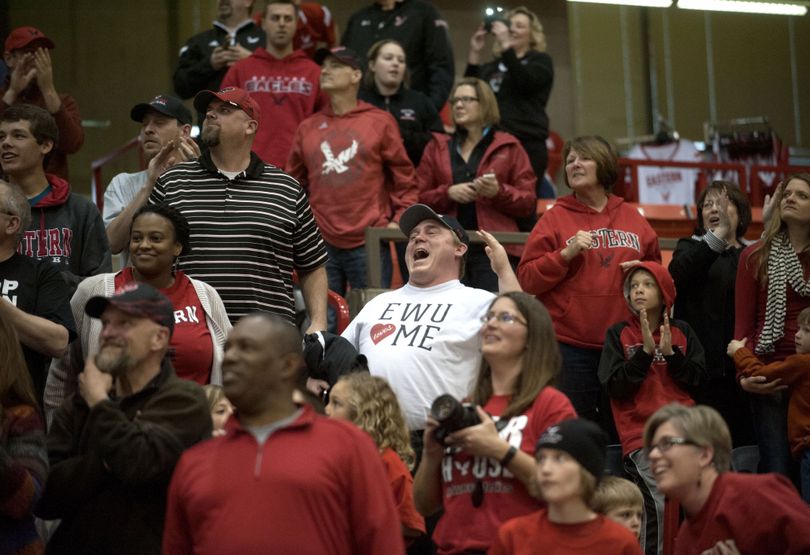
{"points": [[502, 317], [7, 213], [463, 100], [666, 443]]}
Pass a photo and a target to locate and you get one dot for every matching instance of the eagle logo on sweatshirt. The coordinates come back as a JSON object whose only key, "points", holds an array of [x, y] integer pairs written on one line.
{"points": [[337, 165]]}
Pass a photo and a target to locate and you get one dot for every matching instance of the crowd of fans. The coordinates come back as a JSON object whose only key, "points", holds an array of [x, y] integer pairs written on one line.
{"points": [[175, 406]]}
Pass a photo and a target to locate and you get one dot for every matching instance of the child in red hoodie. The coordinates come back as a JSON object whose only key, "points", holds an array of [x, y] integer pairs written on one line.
{"points": [[647, 362], [794, 371]]}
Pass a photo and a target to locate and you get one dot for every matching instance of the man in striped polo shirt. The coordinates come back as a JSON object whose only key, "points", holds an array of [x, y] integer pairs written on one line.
{"points": [[251, 224]]}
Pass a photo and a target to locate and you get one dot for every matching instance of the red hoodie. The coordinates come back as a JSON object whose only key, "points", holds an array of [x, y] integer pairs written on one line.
{"points": [[584, 295], [639, 383], [287, 90], [355, 170]]}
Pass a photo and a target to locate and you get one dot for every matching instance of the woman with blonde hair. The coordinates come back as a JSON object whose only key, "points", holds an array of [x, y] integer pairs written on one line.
{"points": [[479, 175], [521, 75], [773, 273], [480, 474], [370, 403]]}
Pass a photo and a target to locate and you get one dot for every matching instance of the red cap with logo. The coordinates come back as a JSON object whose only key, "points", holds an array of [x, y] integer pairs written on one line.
{"points": [[23, 36], [231, 95]]}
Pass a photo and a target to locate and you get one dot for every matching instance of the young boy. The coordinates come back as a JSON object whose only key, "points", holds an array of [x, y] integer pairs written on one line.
{"points": [[794, 371], [620, 500], [648, 362]]}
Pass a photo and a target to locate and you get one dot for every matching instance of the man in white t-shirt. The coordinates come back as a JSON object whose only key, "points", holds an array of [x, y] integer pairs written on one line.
{"points": [[423, 338]]}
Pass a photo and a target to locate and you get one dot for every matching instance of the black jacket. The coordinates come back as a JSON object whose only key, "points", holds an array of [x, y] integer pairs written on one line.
{"points": [[522, 86], [705, 282], [111, 465], [415, 115], [194, 72], [421, 31]]}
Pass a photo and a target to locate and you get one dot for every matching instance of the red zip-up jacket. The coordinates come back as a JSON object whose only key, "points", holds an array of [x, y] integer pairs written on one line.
{"points": [[506, 159], [584, 295], [355, 171], [288, 91]]}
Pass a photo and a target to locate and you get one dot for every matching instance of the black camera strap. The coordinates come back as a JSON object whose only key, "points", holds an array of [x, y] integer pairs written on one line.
{"points": [[478, 489]]}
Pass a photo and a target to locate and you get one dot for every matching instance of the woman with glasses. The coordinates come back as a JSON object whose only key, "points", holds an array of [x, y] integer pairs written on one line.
{"points": [[704, 267], [479, 174], [689, 449], [481, 473], [159, 234], [574, 262], [521, 75]]}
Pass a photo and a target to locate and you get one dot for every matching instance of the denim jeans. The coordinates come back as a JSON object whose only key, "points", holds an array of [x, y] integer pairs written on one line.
{"points": [[579, 381], [638, 468], [769, 413]]}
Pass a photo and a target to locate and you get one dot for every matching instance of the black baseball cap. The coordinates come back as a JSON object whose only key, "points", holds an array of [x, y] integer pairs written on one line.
{"points": [[344, 55], [420, 212], [137, 299], [166, 105]]}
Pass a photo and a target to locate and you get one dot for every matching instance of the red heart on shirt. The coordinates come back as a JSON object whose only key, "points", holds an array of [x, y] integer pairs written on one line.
{"points": [[381, 331]]}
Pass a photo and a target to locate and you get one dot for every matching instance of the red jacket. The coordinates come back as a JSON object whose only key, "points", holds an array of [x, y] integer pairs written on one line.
{"points": [[748, 513], [355, 170], [584, 296], [794, 372], [315, 486], [504, 157], [287, 90]]}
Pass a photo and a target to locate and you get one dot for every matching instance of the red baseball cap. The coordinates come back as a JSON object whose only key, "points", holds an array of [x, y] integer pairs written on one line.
{"points": [[23, 36], [231, 95]]}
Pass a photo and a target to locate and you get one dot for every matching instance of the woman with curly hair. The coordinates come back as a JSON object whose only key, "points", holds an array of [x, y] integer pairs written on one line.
{"points": [[773, 273], [480, 474], [370, 403], [23, 454]]}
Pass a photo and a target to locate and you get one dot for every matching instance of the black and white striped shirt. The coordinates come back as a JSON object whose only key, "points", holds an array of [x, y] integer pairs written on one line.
{"points": [[247, 234]]}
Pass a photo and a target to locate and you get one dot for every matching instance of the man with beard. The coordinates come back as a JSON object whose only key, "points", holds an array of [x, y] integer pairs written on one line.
{"points": [[283, 479], [165, 140], [206, 57], [251, 224], [30, 81], [113, 446]]}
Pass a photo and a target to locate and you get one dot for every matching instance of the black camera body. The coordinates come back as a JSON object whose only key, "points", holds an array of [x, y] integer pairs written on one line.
{"points": [[452, 416], [493, 14]]}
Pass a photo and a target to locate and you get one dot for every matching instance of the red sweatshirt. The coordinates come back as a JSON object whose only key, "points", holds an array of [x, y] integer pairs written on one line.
{"points": [[355, 170], [288, 92], [316, 485], [584, 296], [794, 372], [535, 533], [748, 513], [506, 159]]}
